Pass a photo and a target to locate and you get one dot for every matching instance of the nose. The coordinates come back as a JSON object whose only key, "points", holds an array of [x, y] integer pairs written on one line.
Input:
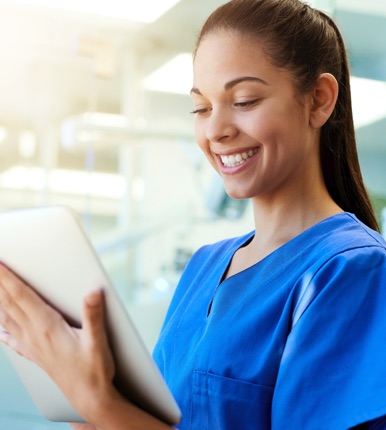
{"points": [[220, 126]]}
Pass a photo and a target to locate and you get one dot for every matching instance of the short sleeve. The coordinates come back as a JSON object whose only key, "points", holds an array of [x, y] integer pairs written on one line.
{"points": [[333, 369]]}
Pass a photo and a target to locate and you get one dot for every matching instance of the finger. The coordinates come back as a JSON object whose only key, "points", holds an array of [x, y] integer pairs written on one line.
{"points": [[95, 337], [94, 315], [19, 300], [11, 292], [76, 426], [7, 339], [6, 322]]}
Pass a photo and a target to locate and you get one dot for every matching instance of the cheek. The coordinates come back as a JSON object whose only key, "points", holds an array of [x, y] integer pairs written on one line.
{"points": [[204, 145], [262, 127], [270, 127], [200, 136]]}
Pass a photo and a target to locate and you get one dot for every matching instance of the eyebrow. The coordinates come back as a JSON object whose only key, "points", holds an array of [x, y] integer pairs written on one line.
{"points": [[229, 85]]}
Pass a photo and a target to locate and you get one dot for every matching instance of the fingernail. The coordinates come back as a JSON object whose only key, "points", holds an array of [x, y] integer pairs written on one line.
{"points": [[94, 299]]}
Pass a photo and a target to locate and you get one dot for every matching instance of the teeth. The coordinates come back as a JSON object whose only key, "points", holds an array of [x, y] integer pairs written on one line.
{"points": [[237, 159]]}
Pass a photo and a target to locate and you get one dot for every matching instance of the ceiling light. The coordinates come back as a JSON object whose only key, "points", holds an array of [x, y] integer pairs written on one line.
{"points": [[27, 144], [62, 181], [142, 11], [368, 101], [175, 76], [3, 134]]}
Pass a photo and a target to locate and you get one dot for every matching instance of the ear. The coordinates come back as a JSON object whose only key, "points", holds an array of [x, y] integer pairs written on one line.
{"points": [[324, 98]]}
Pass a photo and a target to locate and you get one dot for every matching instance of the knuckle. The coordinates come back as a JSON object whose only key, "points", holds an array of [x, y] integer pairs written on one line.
{"points": [[18, 292], [14, 292], [51, 321], [6, 321], [5, 301]]}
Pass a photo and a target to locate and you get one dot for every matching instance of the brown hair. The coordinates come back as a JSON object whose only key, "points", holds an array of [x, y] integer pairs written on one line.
{"points": [[306, 42]]}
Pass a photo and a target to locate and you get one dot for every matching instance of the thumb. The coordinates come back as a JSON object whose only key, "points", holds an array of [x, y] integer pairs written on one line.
{"points": [[94, 314]]}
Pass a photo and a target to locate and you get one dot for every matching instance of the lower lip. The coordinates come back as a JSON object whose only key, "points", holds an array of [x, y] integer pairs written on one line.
{"points": [[234, 169]]}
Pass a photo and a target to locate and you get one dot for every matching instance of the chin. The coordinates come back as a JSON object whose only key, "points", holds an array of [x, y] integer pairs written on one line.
{"points": [[237, 194]]}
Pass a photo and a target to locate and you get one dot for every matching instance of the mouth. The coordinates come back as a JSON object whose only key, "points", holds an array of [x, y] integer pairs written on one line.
{"points": [[236, 159]]}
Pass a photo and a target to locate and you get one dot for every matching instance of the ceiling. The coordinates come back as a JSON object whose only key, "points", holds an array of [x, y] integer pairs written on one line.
{"points": [[59, 65], [47, 66]]}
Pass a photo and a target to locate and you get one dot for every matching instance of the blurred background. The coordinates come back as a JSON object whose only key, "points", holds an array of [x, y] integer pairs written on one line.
{"points": [[94, 114]]}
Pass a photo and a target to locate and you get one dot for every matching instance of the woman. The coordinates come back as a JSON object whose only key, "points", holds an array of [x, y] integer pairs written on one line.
{"points": [[281, 328]]}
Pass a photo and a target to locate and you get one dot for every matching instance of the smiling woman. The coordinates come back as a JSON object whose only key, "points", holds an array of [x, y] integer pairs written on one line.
{"points": [[272, 318], [252, 107], [280, 328]]}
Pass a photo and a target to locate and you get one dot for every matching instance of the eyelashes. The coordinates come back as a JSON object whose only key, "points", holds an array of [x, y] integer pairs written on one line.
{"points": [[243, 105], [199, 111], [247, 103]]}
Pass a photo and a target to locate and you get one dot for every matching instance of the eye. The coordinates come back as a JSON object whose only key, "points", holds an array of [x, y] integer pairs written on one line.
{"points": [[247, 103], [200, 111]]}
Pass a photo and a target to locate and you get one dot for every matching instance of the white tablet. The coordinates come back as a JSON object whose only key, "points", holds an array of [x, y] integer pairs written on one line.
{"points": [[48, 248]]}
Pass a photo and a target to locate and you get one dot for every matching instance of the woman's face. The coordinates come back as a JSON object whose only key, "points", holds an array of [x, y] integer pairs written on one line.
{"points": [[250, 122]]}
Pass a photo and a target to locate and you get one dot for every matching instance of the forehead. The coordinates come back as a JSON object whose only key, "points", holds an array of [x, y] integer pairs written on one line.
{"points": [[222, 57]]}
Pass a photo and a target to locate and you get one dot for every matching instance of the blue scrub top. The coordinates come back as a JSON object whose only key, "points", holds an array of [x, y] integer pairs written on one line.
{"points": [[296, 341]]}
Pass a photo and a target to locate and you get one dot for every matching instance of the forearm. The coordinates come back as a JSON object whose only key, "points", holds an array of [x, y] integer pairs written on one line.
{"points": [[116, 413]]}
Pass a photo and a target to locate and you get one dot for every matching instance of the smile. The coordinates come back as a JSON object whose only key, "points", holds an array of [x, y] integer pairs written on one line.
{"points": [[237, 159]]}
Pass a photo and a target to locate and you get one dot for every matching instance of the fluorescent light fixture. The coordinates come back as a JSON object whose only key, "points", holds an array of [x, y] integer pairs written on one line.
{"points": [[145, 11], [368, 101], [72, 182], [3, 134], [102, 119], [27, 145], [175, 76]]}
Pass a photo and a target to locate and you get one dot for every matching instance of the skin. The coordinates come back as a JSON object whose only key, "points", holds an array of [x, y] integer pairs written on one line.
{"points": [[243, 103], [68, 354]]}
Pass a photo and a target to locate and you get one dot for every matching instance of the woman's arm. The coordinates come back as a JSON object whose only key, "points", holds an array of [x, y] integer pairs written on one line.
{"points": [[78, 360], [119, 414]]}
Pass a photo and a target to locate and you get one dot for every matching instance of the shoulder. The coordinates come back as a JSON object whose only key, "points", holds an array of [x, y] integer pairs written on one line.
{"points": [[342, 237], [351, 228], [337, 328], [341, 257], [345, 231], [354, 247]]}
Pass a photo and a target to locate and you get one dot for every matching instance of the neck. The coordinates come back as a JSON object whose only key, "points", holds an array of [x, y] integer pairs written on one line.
{"points": [[278, 222]]}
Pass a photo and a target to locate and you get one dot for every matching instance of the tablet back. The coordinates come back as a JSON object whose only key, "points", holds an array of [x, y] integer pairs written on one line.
{"points": [[47, 247]]}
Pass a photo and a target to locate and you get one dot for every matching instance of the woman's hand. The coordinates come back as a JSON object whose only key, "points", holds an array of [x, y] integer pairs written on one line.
{"points": [[78, 360], [76, 426]]}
